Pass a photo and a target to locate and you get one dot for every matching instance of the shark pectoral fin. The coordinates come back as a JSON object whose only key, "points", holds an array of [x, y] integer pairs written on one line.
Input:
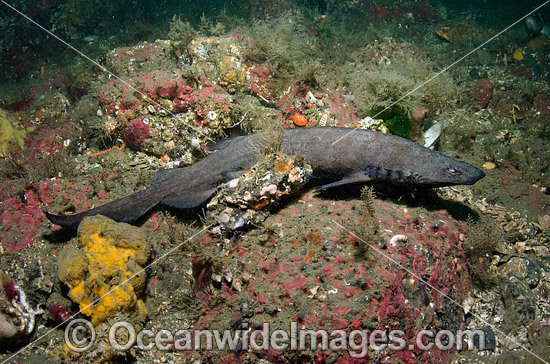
{"points": [[354, 178], [187, 199]]}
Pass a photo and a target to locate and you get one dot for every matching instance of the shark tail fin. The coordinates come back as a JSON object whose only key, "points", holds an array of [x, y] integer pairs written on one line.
{"points": [[126, 209]]}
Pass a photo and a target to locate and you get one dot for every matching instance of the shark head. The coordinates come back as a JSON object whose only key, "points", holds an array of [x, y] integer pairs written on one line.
{"points": [[446, 171], [399, 161]]}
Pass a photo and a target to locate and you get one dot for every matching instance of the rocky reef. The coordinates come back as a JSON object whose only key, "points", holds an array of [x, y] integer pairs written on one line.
{"points": [[457, 258]]}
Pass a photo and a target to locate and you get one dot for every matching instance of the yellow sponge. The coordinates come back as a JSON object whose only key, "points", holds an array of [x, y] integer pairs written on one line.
{"points": [[108, 269]]}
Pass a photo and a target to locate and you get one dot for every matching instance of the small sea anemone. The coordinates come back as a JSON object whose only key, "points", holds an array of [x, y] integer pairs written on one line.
{"points": [[11, 290], [58, 313]]}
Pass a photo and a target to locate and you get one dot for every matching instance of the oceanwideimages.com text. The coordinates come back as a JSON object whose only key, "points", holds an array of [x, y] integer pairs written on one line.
{"points": [[80, 336]]}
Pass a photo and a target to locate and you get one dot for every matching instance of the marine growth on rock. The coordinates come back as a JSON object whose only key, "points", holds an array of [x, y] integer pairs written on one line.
{"points": [[105, 274]]}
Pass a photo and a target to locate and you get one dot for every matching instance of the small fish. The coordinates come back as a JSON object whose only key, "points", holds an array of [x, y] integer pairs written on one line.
{"points": [[443, 33], [338, 156]]}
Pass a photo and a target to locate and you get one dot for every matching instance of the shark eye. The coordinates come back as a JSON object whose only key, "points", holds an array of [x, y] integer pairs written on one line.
{"points": [[451, 170]]}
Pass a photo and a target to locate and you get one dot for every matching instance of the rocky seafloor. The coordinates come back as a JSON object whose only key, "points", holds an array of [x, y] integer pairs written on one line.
{"points": [[265, 250]]}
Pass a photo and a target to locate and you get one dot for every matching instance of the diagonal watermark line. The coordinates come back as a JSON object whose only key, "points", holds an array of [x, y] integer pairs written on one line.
{"points": [[440, 292], [205, 228], [452, 64], [101, 67], [31, 344]]}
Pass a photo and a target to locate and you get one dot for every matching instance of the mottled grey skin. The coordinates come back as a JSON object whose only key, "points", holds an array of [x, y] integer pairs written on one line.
{"points": [[339, 156]]}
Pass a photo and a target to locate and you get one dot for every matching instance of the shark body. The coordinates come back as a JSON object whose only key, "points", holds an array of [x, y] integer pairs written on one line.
{"points": [[338, 156]]}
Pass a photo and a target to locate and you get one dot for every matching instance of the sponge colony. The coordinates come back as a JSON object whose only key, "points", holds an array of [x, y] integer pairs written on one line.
{"points": [[108, 268]]}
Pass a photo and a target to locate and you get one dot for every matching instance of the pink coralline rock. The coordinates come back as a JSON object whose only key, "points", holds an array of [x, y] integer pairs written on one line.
{"points": [[259, 81], [327, 278], [174, 104], [161, 84], [20, 224]]}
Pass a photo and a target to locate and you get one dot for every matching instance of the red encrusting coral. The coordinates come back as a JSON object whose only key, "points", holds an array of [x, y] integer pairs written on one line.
{"points": [[423, 12], [381, 12], [259, 81], [137, 131], [20, 224], [482, 93]]}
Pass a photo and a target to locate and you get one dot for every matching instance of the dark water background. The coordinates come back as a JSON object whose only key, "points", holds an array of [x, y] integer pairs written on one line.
{"points": [[98, 26]]}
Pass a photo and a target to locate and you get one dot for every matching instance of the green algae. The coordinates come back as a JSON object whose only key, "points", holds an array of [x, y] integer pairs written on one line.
{"points": [[11, 137], [384, 90], [400, 125]]}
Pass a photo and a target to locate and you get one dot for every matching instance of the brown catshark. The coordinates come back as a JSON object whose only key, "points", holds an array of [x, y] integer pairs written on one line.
{"points": [[338, 156]]}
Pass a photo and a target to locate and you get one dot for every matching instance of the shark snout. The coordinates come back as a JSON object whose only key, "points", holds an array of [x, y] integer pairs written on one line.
{"points": [[473, 175]]}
